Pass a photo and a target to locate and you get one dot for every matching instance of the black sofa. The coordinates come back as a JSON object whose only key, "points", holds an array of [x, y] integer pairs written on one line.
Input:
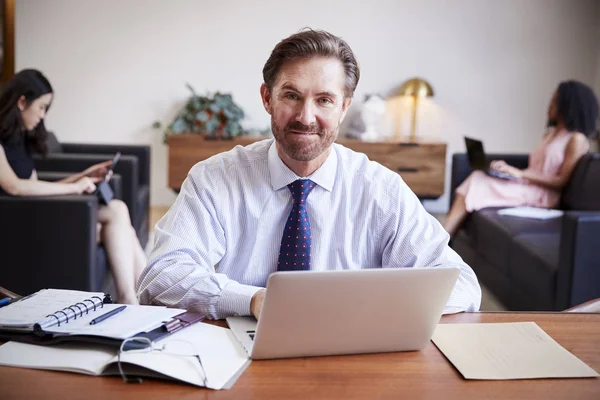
{"points": [[133, 166], [51, 242], [539, 265]]}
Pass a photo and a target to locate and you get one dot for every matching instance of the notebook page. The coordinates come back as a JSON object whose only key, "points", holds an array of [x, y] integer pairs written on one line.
{"points": [[28, 311], [132, 320], [222, 356], [85, 359]]}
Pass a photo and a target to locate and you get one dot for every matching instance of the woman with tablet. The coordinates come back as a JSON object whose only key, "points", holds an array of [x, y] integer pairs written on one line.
{"points": [[24, 102], [572, 113]]}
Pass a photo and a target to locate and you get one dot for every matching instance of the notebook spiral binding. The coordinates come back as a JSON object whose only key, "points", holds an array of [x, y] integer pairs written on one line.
{"points": [[72, 312]]}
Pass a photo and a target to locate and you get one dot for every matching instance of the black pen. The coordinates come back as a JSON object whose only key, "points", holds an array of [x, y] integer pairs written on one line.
{"points": [[107, 315]]}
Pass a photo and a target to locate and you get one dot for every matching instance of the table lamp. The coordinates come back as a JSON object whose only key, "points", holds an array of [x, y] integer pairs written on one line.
{"points": [[416, 88]]}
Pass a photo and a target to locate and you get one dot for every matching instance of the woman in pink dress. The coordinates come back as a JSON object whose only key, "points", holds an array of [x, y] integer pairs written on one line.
{"points": [[572, 113]]}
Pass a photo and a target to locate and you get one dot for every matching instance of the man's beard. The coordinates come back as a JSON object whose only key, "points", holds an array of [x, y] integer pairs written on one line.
{"points": [[299, 148]]}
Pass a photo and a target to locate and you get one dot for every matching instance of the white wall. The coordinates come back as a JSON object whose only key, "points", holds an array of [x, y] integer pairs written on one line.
{"points": [[117, 66]]}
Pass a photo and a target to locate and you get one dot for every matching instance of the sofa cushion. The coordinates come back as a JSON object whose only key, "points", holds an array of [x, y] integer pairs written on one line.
{"points": [[142, 201], [533, 264], [583, 190], [53, 144], [493, 233]]}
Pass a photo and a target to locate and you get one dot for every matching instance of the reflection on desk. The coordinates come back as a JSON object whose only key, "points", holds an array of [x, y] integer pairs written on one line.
{"points": [[425, 374]]}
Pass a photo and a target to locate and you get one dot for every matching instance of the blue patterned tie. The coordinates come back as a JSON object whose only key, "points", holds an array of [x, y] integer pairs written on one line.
{"points": [[294, 254]]}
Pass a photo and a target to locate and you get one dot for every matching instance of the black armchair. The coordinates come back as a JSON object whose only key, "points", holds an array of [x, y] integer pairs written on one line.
{"points": [[51, 242], [539, 265], [134, 168]]}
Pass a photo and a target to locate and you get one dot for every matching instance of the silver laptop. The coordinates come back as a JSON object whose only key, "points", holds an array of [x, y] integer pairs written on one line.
{"points": [[320, 313]]}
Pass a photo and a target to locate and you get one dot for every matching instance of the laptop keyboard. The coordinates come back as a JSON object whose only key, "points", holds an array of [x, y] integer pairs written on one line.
{"points": [[498, 174]]}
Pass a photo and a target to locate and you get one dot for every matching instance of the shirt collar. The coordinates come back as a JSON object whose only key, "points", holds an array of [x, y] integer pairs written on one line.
{"points": [[282, 176]]}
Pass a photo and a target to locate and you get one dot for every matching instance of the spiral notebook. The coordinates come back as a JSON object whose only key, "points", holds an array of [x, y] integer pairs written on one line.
{"points": [[60, 312]]}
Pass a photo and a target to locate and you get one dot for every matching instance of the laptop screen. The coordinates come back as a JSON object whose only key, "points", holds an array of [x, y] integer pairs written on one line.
{"points": [[475, 153]]}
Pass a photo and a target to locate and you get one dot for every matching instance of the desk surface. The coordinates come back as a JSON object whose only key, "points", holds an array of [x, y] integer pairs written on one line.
{"points": [[424, 375]]}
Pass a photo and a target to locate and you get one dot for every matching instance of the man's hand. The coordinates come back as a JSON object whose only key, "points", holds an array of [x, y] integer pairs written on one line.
{"points": [[257, 302]]}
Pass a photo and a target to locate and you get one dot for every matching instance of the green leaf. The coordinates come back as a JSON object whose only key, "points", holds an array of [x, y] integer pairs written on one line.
{"points": [[211, 125], [202, 116], [178, 126]]}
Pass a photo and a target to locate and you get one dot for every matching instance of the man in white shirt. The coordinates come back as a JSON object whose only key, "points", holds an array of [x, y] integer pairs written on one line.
{"points": [[296, 202]]}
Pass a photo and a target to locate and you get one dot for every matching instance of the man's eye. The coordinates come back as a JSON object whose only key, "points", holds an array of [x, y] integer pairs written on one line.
{"points": [[291, 96], [325, 101]]}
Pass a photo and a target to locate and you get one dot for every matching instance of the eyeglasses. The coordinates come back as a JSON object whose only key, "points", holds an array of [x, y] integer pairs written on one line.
{"points": [[179, 348]]}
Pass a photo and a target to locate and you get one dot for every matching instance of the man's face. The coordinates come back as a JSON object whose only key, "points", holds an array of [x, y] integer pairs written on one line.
{"points": [[307, 105]]}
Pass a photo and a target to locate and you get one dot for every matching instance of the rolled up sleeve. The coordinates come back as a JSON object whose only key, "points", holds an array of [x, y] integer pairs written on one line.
{"points": [[189, 243]]}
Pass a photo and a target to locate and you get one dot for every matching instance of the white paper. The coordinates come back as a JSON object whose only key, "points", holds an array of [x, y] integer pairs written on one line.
{"points": [[531, 212], [519, 350]]}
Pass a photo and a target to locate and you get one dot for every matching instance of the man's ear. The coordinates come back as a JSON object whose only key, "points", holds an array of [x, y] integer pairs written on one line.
{"points": [[266, 97], [22, 103], [345, 106]]}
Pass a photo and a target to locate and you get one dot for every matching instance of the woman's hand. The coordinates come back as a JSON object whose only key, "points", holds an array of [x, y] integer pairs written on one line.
{"points": [[97, 170], [502, 166], [85, 185]]}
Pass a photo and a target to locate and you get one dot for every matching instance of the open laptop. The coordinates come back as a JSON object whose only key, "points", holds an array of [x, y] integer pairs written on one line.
{"points": [[477, 159], [320, 313]]}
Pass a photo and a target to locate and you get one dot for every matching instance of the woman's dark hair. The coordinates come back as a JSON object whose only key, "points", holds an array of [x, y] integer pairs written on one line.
{"points": [[577, 107], [30, 84], [310, 43]]}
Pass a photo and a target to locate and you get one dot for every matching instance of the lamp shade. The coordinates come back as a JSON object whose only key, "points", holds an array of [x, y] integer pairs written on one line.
{"points": [[415, 87]]}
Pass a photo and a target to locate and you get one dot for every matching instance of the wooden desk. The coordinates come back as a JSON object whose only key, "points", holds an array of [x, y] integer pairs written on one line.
{"points": [[410, 375], [422, 165]]}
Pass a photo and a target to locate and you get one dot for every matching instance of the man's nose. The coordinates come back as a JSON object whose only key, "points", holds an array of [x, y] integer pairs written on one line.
{"points": [[306, 115]]}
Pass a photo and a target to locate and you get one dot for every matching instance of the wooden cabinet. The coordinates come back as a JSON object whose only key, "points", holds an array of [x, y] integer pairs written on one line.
{"points": [[421, 164]]}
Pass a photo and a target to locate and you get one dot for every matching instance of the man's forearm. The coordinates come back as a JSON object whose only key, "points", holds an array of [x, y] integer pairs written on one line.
{"points": [[176, 282]]}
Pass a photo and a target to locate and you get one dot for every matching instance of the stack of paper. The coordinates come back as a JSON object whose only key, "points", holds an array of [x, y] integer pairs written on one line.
{"points": [[531, 212], [519, 350]]}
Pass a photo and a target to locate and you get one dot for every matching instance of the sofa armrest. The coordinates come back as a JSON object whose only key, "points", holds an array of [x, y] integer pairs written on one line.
{"points": [[127, 168], [141, 152], [48, 242], [461, 168], [116, 182], [578, 278]]}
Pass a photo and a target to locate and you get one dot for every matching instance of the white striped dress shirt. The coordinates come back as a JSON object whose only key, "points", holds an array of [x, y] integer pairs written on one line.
{"points": [[220, 240]]}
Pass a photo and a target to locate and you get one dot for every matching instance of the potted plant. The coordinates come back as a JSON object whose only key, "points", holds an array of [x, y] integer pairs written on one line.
{"points": [[215, 117]]}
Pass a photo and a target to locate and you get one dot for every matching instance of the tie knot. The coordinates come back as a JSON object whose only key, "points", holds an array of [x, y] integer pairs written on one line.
{"points": [[300, 189]]}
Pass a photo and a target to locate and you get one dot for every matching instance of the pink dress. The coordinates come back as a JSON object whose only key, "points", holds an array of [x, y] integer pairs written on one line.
{"points": [[481, 190]]}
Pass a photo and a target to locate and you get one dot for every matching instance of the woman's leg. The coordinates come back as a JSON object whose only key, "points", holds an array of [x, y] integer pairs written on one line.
{"points": [[118, 241], [456, 216]]}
